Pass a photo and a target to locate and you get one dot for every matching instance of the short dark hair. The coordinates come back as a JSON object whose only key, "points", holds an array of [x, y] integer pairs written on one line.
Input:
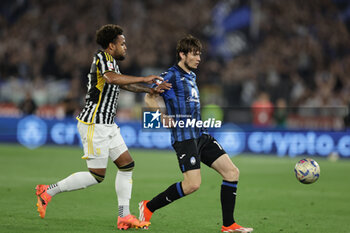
{"points": [[107, 34], [186, 45]]}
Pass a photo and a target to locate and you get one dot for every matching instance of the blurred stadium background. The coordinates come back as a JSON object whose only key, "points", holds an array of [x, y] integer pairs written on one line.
{"points": [[271, 64], [276, 72]]}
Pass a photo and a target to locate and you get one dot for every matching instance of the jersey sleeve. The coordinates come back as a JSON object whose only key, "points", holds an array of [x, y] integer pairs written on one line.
{"points": [[171, 78], [105, 62]]}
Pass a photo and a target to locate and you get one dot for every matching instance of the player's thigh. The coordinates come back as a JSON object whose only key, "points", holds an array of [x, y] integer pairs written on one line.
{"points": [[226, 168], [192, 181], [98, 171], [214, 156], [95, 139], [124, 159], [193, 177], [118, 151]]}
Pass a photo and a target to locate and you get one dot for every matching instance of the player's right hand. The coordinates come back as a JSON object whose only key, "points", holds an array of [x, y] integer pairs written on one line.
{"points": [[152, 79], [161, 87]]}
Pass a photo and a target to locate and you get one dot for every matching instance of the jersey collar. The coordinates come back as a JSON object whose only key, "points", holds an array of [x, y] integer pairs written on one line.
{"points": [[184, 72]]}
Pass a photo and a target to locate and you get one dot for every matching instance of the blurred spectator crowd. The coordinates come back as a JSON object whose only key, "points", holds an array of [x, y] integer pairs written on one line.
{"points": [[296, 53]]}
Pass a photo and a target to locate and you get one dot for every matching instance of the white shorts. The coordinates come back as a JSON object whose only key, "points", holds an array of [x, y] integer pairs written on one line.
{"points": [[100, 142]]}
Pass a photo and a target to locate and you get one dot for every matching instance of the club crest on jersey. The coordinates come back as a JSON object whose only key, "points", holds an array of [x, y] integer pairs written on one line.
{"points": [[193, 160], [194, 96]]}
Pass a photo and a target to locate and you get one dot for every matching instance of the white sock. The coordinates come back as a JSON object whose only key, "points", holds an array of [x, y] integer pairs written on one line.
{"points": [[78, 180], [123, 187], [53, 189]]}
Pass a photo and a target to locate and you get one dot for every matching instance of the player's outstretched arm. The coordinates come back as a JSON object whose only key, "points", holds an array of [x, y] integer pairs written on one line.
{"points": [[136, 87], [121, 79]]}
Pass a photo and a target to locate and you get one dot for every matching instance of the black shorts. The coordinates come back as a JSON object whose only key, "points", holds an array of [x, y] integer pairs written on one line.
{"points": [[193, 151]]}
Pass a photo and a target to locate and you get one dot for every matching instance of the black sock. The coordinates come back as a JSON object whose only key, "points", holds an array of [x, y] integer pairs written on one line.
{"points": [[172, 193], [228, 201]]}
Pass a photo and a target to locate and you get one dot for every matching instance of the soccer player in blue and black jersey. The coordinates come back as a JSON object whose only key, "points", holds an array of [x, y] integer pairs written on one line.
{"points": [[192, 144]]}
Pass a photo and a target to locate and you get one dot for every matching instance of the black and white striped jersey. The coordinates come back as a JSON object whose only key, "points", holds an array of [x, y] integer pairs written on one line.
{"points": [[102, 98]]}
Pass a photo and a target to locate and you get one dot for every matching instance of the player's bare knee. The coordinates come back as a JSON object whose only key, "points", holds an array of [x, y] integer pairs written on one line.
{"points": [[195, 187], [231, 174], [99, 178], [128, 167], [191, 187], [235, 173]]}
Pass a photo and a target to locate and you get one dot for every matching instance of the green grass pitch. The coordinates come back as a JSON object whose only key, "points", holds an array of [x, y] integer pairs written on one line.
{"points": [[270, 199]]}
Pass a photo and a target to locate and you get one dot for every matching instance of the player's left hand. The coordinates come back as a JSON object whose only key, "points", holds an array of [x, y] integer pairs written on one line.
{"points": [[152, 79], [161, 87]]}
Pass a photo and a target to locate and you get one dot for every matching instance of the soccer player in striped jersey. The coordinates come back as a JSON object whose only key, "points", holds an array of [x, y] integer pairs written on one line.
{"points": [[192, 144], [99, 134]]}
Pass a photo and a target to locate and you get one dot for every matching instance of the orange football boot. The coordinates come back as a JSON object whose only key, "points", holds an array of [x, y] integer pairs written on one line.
{"points": [[43, 199], [145, 213], [236, 228], [130, 221]]}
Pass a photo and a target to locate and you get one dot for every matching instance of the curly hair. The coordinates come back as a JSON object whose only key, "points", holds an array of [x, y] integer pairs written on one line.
{"points": [[107, 34], [186, 45]]}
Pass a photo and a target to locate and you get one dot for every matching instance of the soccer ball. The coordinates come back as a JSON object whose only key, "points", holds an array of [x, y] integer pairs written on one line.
{"points": [[307, 171]]}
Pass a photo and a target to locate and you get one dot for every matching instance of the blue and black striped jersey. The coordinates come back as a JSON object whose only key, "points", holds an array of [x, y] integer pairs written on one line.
{"points": [[182, 103]]}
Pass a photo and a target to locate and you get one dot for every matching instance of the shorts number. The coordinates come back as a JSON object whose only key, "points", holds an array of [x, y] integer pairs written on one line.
{"points": [[218, 145]]}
